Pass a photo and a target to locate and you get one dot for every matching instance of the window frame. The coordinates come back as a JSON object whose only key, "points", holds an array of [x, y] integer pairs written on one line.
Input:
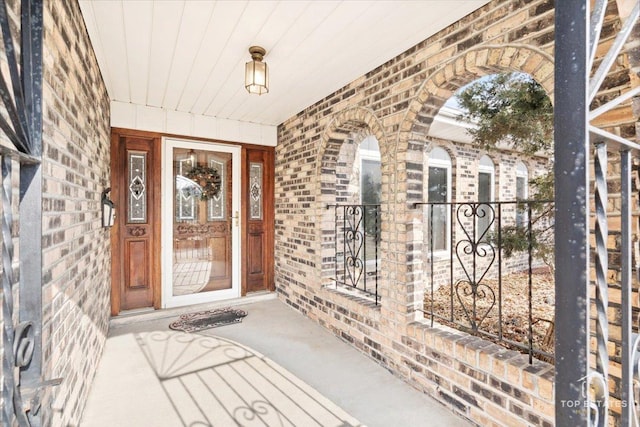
{"points": [[443, 163], [522, 172], [488, 168], [370, 155]]}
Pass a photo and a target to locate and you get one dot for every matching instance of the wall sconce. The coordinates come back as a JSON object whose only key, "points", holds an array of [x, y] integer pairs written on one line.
{"points": [[108, 209], [256, 73]]}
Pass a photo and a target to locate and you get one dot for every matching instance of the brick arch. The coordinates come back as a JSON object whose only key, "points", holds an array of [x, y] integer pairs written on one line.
{"points": [[444, 80], [350, 124], [440, 84], [474, 63]]}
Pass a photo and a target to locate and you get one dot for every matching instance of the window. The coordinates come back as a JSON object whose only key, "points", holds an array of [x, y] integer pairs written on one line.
{"points": [[370, 173], [522, 192], [439, 191], [370, 193], [485, 213]]}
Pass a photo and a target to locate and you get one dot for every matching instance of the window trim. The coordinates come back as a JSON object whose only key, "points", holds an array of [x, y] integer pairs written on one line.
{"points": [[448, 165], [522, 171], [491, 171], [370, 155], [366, 154]]}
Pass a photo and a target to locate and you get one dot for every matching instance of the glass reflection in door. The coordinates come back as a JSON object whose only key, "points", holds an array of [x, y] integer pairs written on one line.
{"points": [[202, 239]]}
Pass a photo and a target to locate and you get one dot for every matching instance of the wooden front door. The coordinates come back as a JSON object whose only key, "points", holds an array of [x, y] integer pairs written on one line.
{"points": [[201, 222], [134, 237], [180, 237]]}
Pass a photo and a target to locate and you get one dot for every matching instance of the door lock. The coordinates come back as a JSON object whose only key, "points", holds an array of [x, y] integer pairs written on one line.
{"points": [[236, 216]]}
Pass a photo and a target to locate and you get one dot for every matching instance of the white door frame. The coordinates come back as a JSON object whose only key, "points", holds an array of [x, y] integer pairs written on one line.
{"points": [[167, 200]]}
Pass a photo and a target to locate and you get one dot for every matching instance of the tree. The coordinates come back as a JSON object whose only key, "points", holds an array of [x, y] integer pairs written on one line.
{"points": [[513, 110]]}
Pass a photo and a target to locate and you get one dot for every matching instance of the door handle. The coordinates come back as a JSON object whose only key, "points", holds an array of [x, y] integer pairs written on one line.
{"points": [[236, 217]]}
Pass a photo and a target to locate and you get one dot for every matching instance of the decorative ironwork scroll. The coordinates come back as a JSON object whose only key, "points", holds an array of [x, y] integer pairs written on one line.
{"points": [[354, 243], [471, 296], [476, 257], [357, 237]]}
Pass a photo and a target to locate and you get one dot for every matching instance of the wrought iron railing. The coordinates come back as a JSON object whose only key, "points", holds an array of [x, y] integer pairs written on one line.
{"points": [[481, 258], [583, 384], [357, 241]]}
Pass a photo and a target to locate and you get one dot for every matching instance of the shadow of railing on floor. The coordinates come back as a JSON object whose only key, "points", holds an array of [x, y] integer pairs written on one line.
{"points": [[214, 381]]}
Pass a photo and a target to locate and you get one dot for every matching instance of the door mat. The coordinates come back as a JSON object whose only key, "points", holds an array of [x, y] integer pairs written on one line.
{"points": [[194, 322]]}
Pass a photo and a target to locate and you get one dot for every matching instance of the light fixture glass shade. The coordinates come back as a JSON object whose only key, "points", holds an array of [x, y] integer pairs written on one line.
{"points": [[256, 73]]}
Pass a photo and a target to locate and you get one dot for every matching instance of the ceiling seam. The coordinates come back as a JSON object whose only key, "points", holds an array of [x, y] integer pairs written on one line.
{"points": [[173, 56], [226, 43], [179, 101], [232, 71]]}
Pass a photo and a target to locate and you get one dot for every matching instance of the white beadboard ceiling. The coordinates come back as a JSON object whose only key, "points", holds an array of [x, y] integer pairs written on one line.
{"points": [[188, 56]]}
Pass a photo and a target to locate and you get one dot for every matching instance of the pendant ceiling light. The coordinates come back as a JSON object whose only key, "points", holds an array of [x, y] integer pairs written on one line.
{"points": [[256, 73]]}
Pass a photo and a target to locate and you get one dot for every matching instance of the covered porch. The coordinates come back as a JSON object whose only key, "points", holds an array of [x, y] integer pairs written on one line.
{"points": [[323, 380], [63, 109]]}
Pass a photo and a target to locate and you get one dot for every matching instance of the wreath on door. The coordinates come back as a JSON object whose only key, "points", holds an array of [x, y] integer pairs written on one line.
{"points": [[208, 179]]}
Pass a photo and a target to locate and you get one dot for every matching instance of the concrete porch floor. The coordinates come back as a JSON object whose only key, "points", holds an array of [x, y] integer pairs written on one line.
{"points": [[275, 368]]}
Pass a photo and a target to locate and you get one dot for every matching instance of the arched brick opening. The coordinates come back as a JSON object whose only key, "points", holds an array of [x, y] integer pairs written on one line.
{"points": [[405, 94], [351, 125], [413, 139]]}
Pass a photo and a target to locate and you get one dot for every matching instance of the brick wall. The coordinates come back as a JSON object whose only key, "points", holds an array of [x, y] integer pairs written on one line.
{"points": [[396, 103], [76, 254], [488, 383]]}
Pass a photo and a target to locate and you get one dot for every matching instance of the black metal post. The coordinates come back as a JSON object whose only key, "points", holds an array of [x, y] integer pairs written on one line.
{"points": [[378, 237], [571, 209], [431, 262], [364, 247], [530, 281], [499, 207], [335, 241], [450, 223]]}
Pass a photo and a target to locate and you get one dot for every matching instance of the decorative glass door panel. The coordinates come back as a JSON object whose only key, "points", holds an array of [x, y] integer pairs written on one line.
{"points": [[201, 210]]}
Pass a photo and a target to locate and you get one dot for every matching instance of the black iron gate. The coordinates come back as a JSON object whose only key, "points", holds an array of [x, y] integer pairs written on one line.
{"points": [[582, 388], [21, 154]]}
